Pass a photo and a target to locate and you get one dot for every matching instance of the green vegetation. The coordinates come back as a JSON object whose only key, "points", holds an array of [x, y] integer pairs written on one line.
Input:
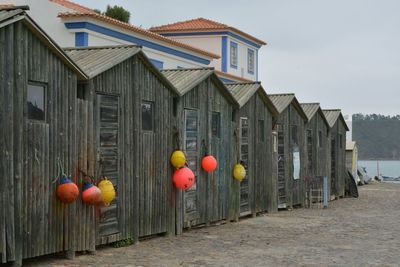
{"points": [[116, 12], [123, 243], [377, 136]]}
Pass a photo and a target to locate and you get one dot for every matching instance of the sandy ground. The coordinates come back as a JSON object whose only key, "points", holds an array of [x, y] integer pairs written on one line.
{"points": [[351, 232]]}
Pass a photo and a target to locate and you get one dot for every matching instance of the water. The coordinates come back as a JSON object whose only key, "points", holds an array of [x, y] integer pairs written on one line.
{"points": [[389, 168]]}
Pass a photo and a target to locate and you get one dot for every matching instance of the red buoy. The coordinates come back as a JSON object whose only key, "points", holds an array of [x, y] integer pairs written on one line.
{"points": [[209, 163], [67, 191], [183, 178], [91, 194]]}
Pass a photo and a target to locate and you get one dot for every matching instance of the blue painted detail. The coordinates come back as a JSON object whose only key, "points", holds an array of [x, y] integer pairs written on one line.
{"points": [[158, 64], [238, 37], [234, 46], [225, 80], [224, 54], [257, 65], [180, 67], [81, 39], [135, 40], [250, 53]]}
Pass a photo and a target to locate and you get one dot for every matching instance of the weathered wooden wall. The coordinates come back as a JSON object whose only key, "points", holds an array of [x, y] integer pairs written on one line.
{"points": [[318, 160], [337, 181], [261, 180], [145, 192], [34, 222], [294, 188], [208, 202]]}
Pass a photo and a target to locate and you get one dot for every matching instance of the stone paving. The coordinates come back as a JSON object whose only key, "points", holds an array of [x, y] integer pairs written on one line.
{"points": [[351, 232]]}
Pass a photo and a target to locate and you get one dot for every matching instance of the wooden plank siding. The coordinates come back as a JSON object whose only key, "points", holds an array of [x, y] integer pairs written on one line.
{"points": [[294, 189], [210, 201], [34, 222], [260, 176]]}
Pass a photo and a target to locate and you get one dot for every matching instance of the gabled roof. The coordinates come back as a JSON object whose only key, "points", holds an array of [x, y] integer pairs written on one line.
{"points": [[350, 145], [332, 115], [74, 6], [98, 59], [10, 14], [242, 92], [232, 77], [201, 25], [310, 109], [135, 29], [185, 80], [282, 101]]}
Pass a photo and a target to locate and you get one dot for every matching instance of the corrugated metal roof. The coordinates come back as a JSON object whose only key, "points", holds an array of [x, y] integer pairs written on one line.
{"points": [[95, 60], [282, 101], [185, 80], [9, 15], [310, 109], [242, 92], [332, 115]]}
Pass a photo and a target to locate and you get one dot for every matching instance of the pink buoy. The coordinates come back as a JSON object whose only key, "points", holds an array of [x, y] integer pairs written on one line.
{"points": [[91, 194], [183, 178], [209, 163]]}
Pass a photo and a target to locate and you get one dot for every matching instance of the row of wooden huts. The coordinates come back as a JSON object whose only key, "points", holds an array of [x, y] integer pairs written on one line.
{"points": [[108, 111]]}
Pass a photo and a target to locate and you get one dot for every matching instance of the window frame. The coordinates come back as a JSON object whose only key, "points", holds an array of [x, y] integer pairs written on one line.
{"points": [[152, 115], [233, 63], [252, 53], [45, 86], [261, 130], [218, 134]]}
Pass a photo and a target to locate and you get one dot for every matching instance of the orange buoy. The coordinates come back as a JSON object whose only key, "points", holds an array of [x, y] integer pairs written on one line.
{"points": [[183, 178], [91, 194], [67, 191], [209, 163]]}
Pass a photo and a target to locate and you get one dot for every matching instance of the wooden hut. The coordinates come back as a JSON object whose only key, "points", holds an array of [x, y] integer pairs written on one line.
{"points": [[204, 125], [352, 159], [257, 192], [126, 122], [317, 136], [292, 153], [38, 85], [337, 147]]}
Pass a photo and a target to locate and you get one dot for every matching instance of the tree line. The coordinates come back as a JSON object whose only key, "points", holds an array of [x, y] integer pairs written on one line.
{"points": [[377, 136]]}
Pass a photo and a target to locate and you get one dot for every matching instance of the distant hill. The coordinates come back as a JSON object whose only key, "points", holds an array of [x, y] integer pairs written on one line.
{"points": [[377, 136]]}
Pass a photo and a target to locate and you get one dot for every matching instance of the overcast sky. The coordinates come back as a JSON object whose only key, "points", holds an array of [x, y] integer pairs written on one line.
{"points": [[342, 53]]}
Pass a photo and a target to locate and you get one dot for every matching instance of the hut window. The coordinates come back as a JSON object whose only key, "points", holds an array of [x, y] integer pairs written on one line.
{"points": [[295, 139], [233, 114], [81, 90], [36, 102], [319, 138], [340, 141], [261, 133], [175, 106], [147, 116], [216, 124]]}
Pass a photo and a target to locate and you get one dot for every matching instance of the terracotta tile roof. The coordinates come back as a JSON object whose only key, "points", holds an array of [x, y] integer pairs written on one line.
{"points": [[232, 77], [135, 29], [201, 25], [74, 6], [6, 6]]}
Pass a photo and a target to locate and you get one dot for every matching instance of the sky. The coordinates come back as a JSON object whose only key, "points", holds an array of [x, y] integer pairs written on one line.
{"points": [[341, 53]]}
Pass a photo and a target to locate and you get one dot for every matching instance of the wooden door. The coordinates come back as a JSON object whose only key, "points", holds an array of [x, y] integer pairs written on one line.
{"points": [[192, 147], [244, 159], [281, 167], [108, 157]]}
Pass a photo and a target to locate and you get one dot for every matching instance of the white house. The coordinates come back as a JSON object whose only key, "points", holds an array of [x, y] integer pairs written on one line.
{"points": [[238, 50], [188, 44]]}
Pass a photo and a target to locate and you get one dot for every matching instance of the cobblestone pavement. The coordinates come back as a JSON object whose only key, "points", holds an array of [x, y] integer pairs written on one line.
{"points": [[352, 232]]}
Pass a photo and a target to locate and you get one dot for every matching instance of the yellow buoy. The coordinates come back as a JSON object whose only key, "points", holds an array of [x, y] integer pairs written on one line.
{"points": [[107, 191], [178, 159], [239, 172]]}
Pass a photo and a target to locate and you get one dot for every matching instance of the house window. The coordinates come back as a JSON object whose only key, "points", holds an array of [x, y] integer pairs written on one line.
{"points": [[250, 61], [216, 124], [261, 132], [36, 102], [319, 138], [147, 116], [234, 55]]}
